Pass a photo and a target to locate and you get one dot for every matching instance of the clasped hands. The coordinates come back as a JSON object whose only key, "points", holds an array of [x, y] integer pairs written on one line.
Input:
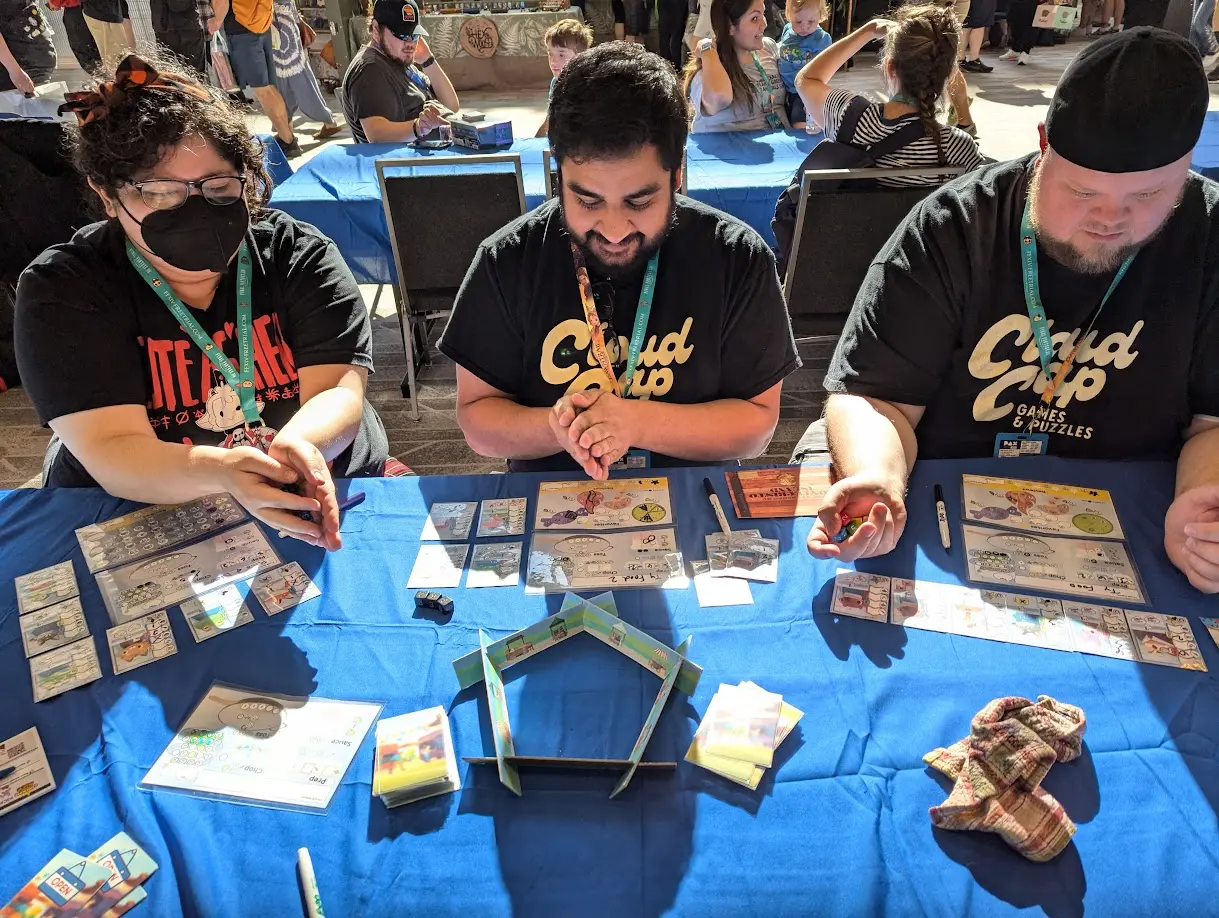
{"points": [[596, 428]]}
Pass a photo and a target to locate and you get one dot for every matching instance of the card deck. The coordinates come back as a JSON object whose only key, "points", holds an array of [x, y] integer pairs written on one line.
{"points": [[130, 867], [752, 558], [216, 612], [284, 588], [63, 887], [24, 772], [414, 758], [438, 567], [64, 668], [1166, 640], [743, 724], [53, 626], [449, 522], [719, 591], [861, 595], [717, 546], [46, 587], [495, 565], [1100, 630], [502, 517], [137, 643]]}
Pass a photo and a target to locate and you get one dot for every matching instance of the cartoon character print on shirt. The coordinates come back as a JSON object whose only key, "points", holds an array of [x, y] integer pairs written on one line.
{"points": [[223, 413], [1014, 391], [567, 347]]}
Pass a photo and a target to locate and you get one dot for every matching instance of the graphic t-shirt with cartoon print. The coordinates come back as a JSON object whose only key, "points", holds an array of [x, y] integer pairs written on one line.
{"points": [[718, 326], [91, 333], [940, 321]]}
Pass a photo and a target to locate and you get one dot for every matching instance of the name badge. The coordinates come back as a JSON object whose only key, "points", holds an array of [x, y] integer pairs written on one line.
{"points": [[633, 460], [1018, 445]]}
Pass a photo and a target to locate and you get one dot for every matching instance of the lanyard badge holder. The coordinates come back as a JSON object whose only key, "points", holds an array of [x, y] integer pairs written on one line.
{"points": [[768, 103], [241, 381]]}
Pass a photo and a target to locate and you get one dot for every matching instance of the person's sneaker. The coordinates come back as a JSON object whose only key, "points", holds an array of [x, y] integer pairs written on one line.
{"points": [[1009, 55], [976, 67], [1210, 60], [291, 149], [1213, 76], [1023, 58]]}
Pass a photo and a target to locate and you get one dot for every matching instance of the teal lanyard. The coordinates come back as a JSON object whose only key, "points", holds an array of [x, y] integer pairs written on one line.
{"points": [[1032, 301], [905, 100], [241, 382], [768, 109], [642, 312]]}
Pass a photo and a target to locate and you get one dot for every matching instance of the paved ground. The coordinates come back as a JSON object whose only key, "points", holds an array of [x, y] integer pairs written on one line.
{"points": [[1008, 105]]}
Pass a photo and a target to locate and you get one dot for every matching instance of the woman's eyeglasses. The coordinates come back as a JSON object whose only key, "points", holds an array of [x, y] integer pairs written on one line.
{"points": [[170, 194], [603, 296]]}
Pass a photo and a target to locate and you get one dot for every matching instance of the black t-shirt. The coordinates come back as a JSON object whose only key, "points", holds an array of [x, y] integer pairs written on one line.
{"points": [[376, 86], [718, 327], [940, 321], [105, 10], [91, 333], [28, 37]]}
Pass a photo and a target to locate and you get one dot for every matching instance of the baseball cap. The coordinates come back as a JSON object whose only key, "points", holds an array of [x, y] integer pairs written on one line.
{"points": [[1129, 102], [401, 17]]}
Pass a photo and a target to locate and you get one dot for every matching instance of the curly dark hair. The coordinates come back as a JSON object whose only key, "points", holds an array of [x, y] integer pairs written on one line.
{"points": [[923, 49], [142, 124]]}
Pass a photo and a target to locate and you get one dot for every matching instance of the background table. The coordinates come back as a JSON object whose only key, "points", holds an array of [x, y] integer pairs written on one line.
{"points": [[1205, 158], [838, 827], [337, 191]]}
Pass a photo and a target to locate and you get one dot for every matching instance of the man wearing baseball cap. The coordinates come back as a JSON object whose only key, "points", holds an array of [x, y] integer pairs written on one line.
{"points": [[1066, 303], [394, 90]]}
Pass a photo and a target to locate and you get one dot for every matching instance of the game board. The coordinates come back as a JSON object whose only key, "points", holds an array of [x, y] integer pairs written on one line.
{"points": [[1097, 570], [562, 561], [155, 529], [268, 749], [598, 506], [1034, 506]]}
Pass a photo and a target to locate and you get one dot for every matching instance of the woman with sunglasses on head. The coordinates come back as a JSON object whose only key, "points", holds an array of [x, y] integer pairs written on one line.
{"points": [[194, 342]]}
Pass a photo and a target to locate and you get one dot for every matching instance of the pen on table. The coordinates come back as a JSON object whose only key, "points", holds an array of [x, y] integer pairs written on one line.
{"points": [[313, 898], [941, 515], [353, 501], [717, 507]]}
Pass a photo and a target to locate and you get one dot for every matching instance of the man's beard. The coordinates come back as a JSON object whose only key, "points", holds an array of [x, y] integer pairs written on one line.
{"points": [[1103, 260], [646, 249]]}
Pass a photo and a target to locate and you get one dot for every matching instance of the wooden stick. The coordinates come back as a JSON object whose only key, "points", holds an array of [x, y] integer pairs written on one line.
{"points": [[542, 761]]}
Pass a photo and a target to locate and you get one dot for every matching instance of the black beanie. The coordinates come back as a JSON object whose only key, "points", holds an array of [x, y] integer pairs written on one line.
{"points": [[1129, 102]]}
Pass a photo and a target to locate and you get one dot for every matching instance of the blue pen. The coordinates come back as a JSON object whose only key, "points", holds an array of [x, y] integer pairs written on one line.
{"points": [[353, 501]]}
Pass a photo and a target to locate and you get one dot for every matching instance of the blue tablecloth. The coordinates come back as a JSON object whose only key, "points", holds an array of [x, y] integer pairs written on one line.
{"points": [[838, 827], [1206, 154], [337, 190]]}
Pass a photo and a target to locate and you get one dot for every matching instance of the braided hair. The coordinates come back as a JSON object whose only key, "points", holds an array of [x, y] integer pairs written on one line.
{"points": [[923, 52]]}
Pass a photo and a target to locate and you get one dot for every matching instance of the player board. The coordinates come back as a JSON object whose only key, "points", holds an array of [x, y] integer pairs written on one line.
{"points": [[155, 529], [599, 506], [562, 561], [163, 580], [1038, 507], [261, 748], [1098, 570]]}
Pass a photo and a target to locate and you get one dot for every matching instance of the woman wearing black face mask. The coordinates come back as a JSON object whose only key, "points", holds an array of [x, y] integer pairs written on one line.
{"points": [[194, 342]]}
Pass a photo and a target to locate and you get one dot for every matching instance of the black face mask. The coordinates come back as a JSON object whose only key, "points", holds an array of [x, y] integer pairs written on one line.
{"points": [[197, 236]]}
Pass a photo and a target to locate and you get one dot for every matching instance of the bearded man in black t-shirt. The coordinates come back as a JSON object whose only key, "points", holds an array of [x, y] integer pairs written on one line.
{"points": [[561, 361], [947, 353]]}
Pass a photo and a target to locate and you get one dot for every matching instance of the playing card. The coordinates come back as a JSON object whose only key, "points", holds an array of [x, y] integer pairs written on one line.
{"points": [[46, 587], [64, 668], [1032, 620], [744, 773], [145, 640], [24, 772], [861, 595], [935, 607], [449, 522], [719, 591], [216, 612], [1099, 630], [438, 567], [61, 888], [1212, 628], [743, 723], [284, 588], [53, 626], [129, 866], [503, 517], [495, 565], [1166, 640]]}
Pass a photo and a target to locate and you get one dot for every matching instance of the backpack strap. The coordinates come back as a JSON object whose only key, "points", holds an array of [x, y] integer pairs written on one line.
{"points": [[898, 139], [850, 119]]}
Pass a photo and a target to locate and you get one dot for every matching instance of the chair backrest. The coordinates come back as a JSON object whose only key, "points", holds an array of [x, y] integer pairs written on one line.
{"points": [[838, 234], [550, 169], [440, 210]]}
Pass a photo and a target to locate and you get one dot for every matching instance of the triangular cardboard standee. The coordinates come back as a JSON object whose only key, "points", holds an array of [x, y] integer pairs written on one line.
{"points": [[599, 617]]}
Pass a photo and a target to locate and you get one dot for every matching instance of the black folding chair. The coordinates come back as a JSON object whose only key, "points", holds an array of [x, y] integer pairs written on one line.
{"points": [[437, 219], [838, 233]]}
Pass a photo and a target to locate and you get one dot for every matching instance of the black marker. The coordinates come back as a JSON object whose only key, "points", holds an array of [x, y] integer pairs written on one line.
{"points": [[941, 514]]}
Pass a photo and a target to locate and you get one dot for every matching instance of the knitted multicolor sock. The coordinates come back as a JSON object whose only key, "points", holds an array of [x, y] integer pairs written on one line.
{"points": [[998, 770]]}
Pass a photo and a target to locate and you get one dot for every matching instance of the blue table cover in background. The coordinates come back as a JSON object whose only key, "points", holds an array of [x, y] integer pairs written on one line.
{"points": [[838, 827], [278, 167], [1205, 158], [337, 190]]}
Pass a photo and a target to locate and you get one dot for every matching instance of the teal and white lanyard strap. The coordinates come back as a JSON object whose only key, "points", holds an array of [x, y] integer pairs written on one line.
{"points": [[769, 108], [642, 312], [1037, 319], [242, 382]]}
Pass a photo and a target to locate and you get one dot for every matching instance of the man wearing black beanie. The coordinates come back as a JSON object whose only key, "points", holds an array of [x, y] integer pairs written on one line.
{"points": [[1064, 303]]}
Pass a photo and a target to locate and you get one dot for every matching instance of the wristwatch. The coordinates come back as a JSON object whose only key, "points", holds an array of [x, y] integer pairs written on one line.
{"points": [[706, 44], [424, 65]]}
